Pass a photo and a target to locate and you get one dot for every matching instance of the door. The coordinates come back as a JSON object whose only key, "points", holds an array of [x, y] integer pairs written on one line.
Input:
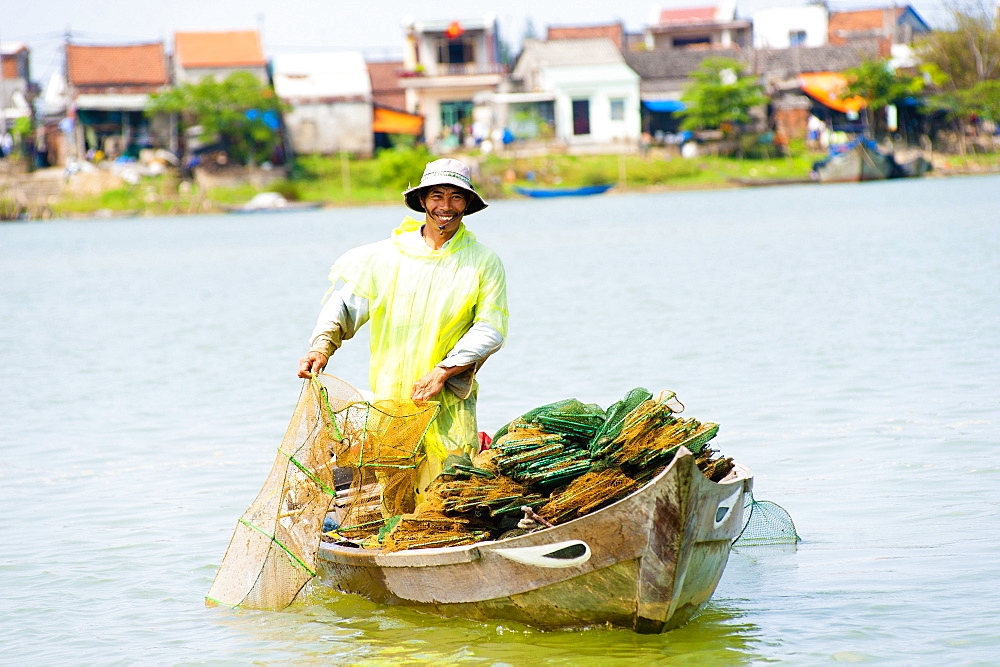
{"points": [[581, 116]]}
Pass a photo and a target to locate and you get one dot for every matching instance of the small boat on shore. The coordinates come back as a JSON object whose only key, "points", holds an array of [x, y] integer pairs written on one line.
{"points": [[861, 160], [272, 202], [647, 562], [564, 192]]}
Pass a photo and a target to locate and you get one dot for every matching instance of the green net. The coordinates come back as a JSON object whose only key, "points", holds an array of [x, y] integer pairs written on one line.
{"points": [[569, 417], [765, 523]]}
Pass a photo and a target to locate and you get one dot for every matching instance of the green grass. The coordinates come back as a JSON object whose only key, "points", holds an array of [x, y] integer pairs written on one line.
{"points": [[159, 195], [339, 180]]}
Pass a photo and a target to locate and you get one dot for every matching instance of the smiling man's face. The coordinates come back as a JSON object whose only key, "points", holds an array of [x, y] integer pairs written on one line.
{"points": [[445, 205]]}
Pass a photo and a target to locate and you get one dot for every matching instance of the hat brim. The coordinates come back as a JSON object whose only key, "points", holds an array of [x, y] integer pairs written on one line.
{"points": [[413, 195]]}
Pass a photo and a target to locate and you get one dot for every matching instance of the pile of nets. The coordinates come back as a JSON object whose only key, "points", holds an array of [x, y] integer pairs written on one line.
{"points": [[555, 463]]}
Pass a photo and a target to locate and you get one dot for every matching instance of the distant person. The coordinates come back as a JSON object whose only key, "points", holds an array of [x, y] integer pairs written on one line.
{"points": [[437, 302]]}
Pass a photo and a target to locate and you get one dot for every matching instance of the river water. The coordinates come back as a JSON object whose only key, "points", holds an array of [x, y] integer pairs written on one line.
{"points": [[846, 338]]}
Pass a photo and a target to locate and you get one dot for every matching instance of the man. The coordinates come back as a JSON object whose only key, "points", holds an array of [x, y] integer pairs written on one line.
{"points": [[437, 302]]}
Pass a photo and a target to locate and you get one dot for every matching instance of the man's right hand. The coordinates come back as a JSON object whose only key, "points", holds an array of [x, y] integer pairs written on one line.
{"points": [[312, 364]]}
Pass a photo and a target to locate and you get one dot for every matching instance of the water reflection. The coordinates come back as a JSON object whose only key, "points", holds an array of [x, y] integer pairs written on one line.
{"points": [[343, 628]]}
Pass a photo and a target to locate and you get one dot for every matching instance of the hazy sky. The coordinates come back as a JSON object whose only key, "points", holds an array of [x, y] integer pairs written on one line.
{"points": [[289, 26]]}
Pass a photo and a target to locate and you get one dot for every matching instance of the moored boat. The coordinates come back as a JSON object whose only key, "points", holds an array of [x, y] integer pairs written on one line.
{"points": [[272, 202], [861, 160], [564, 192], [648, 562]]}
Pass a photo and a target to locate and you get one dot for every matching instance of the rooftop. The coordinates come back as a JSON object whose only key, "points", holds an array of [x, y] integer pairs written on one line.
{"points": [[564, 52], [321, 75], [137, 64], [237, 48], [687, 16]]}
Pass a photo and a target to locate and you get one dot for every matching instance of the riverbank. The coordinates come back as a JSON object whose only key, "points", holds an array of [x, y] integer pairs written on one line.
{"points": [[339, 181]]}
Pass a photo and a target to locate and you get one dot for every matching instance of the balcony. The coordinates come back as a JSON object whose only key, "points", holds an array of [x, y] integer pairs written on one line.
{"points": [[456, 69]]}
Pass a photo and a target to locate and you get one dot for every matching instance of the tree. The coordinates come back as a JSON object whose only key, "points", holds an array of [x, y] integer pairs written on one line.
{"points": [[880, 86], [963, 67], [721, 94], [240, 111], [959, 59]]}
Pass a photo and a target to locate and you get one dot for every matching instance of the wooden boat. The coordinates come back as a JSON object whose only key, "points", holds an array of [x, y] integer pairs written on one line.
{"points": [[648, 562], [272, 202], [564, 192], [860, 160]]}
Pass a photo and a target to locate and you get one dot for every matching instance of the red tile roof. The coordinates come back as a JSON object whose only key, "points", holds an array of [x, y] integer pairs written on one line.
{"points": [[238, 48], [687, 16], [866, 20], [612, 31], [138, 64]]}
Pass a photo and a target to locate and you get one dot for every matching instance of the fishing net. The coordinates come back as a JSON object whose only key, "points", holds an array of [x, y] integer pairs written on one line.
{"points": [[339, 453], [272, 553], [765, 523], [382, 440]]}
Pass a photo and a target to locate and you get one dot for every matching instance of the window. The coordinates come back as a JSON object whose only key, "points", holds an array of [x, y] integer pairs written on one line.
{"points": [[456, 113], [455, 51], [796, 37], [692, 41], [618, 108], [581, 116]]}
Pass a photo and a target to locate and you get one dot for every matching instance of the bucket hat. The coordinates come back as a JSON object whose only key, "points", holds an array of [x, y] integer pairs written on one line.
{"points": [[445, 171]]}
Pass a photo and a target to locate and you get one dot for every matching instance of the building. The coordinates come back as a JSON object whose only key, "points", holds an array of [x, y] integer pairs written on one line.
{"points": [[715, 27], [445, 65], [663, 76], [809, 81], [790, 27], [108, 88], [386, 88], [889, 26], [218, 54], [582, 89], [389, 100], [330, 96], [16, 89]]}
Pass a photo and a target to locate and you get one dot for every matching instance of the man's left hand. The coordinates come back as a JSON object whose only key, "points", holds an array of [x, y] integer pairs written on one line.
{"points": [[430, 385]]}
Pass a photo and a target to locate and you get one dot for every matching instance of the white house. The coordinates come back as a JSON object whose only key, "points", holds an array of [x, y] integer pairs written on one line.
{"points": [[330, 95], [786, 27], [583, 87]]}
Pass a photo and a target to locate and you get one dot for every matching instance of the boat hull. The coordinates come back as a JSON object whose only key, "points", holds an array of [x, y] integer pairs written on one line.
{"points": [[648, 562], [564, 192], [285, 208]]}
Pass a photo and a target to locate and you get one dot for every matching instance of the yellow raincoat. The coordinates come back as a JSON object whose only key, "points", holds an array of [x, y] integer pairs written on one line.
{"points": [[420, 303]]}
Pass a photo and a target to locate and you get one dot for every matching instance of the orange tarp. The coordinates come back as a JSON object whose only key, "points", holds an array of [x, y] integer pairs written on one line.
{"points": [[397, 122], [827, 87]]}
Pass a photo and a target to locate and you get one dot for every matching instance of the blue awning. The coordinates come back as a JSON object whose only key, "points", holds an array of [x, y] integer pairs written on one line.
{"points": [[665, 106]]}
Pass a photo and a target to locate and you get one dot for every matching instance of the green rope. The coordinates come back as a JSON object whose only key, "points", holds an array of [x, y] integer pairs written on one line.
{"points": [[311, 475], [283, 547]]}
